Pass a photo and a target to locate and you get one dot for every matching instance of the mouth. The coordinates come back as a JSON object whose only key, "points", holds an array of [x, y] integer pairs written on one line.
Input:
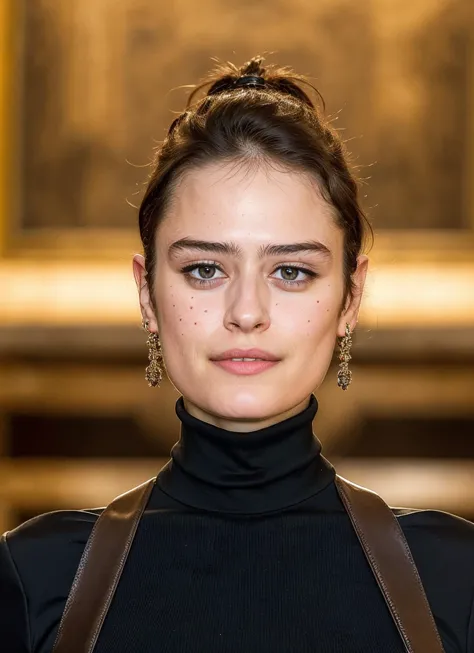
{"points": [[245, 362]]}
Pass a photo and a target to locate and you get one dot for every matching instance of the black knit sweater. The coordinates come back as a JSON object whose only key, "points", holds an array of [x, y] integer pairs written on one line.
{"points": [[245, 547]]}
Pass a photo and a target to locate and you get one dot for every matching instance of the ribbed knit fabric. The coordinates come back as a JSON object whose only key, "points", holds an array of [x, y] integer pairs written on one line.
{"points": [[244, 547]]}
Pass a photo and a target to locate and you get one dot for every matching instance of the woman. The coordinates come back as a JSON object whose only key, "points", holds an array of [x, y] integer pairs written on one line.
{"points": [[252, 268]]}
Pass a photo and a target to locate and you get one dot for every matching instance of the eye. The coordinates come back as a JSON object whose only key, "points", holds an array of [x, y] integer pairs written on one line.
{"points": [[202, 273], [205, 271], [291, 274]]}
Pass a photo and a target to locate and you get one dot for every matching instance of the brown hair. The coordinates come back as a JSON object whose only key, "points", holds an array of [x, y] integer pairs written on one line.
{"points": [[275, 122]]}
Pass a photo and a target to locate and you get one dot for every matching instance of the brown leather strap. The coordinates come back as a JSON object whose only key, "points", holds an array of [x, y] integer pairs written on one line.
{"points": [[377, 528], [99, 571], [392, 564]]}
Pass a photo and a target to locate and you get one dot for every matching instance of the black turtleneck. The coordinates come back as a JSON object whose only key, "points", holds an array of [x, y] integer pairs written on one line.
{"points": [[244, 547], [246, 473]]}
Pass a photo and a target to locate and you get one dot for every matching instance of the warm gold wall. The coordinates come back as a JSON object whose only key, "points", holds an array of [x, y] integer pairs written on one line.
{"points": [[85, 96]]}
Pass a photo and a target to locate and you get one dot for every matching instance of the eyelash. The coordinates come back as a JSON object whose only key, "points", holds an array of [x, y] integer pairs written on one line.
{"points": [[208, 282]]}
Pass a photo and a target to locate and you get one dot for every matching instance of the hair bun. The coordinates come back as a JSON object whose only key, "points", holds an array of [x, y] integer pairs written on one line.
{"points": [[227, 77], [253, 67], [250, 74]]}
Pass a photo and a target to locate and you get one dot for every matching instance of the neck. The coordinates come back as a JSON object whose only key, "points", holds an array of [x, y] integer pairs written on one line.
{"points": [[272, 468], [243, 424]]}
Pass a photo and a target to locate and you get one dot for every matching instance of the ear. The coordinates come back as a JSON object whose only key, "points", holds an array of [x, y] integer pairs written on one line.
{"points": [[146, 305], [350, 312]]}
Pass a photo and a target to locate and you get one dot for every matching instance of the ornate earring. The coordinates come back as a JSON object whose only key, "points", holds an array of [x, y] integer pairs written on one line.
{"points": [[154, 371], [344, 376]]}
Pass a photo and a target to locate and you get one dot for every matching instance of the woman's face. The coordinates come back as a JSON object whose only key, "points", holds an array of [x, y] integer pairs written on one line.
{"points": [[247, 260]]}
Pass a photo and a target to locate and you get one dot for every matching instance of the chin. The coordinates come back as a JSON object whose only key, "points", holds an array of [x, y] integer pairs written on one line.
{"points": [[248, 403]]}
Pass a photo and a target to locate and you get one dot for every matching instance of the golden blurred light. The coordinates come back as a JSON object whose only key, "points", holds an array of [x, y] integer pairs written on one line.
{"points": [[420, 295], [59, 293]]}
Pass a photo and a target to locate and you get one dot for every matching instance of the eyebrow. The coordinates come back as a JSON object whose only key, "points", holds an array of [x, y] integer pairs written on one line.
{"points": [[231, 249]]}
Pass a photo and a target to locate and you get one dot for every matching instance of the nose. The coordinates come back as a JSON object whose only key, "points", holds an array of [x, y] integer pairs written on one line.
{"points": [[247, 306]]}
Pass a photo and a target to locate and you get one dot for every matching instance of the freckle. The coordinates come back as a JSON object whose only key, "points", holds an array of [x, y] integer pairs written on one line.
{"points": [[174, 305], [191, 307], [180, 319], [205, 310], [318, 301], [309, 320], [195, 323]]}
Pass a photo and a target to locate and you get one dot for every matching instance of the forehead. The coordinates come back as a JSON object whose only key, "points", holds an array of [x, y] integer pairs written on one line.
{"points": [[249, 205]]}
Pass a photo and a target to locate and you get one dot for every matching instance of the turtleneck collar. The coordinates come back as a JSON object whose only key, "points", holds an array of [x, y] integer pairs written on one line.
{"points": [[255, 472]]}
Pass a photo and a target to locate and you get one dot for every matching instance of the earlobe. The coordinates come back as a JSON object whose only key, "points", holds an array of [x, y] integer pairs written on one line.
{"points": [[349, 314]]}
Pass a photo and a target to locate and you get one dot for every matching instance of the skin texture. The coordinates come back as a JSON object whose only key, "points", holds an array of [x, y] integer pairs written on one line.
{"points": [[247, 302]]}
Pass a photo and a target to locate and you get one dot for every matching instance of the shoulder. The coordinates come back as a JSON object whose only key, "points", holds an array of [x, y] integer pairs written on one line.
{"points": [[438, 535], [442, 545], [48, 547], [437, 528], [52, 530], [38, 562]]}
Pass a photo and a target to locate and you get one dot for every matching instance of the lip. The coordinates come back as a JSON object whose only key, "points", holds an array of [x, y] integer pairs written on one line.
{"points": [[245, 353], [245, 368]]}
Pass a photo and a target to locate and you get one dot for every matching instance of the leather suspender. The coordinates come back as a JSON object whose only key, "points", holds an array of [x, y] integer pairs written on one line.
{"points": [[377, 528], [99, 571], [392, 564]]}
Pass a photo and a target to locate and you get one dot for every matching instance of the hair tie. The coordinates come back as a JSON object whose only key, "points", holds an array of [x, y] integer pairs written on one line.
{"points": [[250, 80]]}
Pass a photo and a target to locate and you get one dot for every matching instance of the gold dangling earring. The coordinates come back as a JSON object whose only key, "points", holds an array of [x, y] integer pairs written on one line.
{"points": [[344, 376], [154, 371]]}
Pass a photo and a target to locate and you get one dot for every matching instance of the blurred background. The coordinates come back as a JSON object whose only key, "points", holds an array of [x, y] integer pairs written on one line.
{"points": [[86, 94]]}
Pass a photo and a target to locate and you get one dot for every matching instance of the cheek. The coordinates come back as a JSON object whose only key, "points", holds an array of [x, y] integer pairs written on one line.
{"points": [[310, 320], [186, 319]]}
